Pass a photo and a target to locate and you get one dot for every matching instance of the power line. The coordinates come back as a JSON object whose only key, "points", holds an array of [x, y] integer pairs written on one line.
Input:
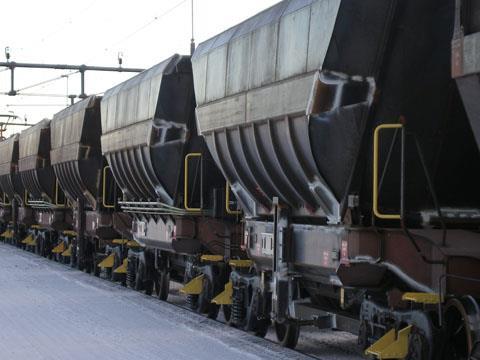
{"points": [[32, 105], [36, 94], [48, 81], [156, 18]]}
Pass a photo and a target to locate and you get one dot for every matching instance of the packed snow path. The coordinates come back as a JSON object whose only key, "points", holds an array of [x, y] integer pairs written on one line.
{"points": [[49, 311]]}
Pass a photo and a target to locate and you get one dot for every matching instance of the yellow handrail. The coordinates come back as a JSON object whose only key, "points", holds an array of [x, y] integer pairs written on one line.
{"points": [[26, 198], [376, 135], [6, 200], [104, 189], [227, 201], [56, 194], [185, 182]]}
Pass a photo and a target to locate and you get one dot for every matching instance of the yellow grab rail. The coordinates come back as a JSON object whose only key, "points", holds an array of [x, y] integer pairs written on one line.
{"points": [[104, 189], [56, 194], [26, 198], [185, 182], [227, 201], [376, 136], [6, 200]]}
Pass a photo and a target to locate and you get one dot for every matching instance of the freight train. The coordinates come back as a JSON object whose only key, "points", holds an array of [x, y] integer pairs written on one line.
{"points": [[317, 164]]}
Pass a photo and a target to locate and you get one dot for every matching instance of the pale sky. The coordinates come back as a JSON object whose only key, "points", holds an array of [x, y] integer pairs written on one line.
{"points": [[93, 32]]}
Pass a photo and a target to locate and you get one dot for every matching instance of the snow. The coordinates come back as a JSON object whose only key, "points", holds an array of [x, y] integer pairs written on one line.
{"points": [[51, 312]]}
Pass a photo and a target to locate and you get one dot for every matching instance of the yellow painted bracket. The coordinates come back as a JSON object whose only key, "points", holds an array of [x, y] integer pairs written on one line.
{"points": [[211, 258], [227, 202], [133, 244], [27, 240], [35, 226], [32, 241], [185, 182], [69, 233], [193, 287], [421, 298], [240, 263], [391, 346], [122, 269], [104, 189], [376, 136], [8, 234], [60, 248], [225, 297], [119, 241], [108, 262], [68, 252]]}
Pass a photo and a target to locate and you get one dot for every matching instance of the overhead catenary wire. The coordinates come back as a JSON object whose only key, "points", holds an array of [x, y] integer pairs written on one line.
{"points": [[36, 94], [48, 81], [142, 27], [33, 105]]}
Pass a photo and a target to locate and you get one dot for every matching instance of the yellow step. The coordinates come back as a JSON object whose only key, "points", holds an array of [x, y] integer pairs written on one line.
{"points": [[211, 258], [8, 234], [120, 241], [225, 297], [122, 269], [67, 252], [194, 286], [60, 248], [421, 298], [391, 345], [27, 240], [108, 262]]}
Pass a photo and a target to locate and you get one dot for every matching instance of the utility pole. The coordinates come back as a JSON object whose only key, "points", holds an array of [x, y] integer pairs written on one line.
{"points": [[12, 65], [192, 40], [3, 124]]}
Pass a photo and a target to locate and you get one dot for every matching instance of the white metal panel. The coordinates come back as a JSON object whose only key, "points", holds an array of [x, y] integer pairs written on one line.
{"points": [[263, 55], [200, 78], [293, 44], [322, 21], [216, 73], [238, 65]]}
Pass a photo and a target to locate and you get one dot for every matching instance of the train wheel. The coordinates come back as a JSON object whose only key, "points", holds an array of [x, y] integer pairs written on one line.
{"points": [[205, 305], [227, 313], [287, 334], [96, 270], [417, 347], [261, 328], [192, 302], [459, 315], [162, 284], [363, 341]]}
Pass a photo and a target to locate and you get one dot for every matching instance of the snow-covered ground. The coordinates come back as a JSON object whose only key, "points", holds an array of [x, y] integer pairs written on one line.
{"points": [[49, 311]]}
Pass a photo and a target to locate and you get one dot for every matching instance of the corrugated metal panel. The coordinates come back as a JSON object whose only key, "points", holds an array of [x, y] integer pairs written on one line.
{"points": [[66, 126], [263, 56], [30, 139], [6, 154], [293, 44], [216, 71], [126, 104], [286, 40]]}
